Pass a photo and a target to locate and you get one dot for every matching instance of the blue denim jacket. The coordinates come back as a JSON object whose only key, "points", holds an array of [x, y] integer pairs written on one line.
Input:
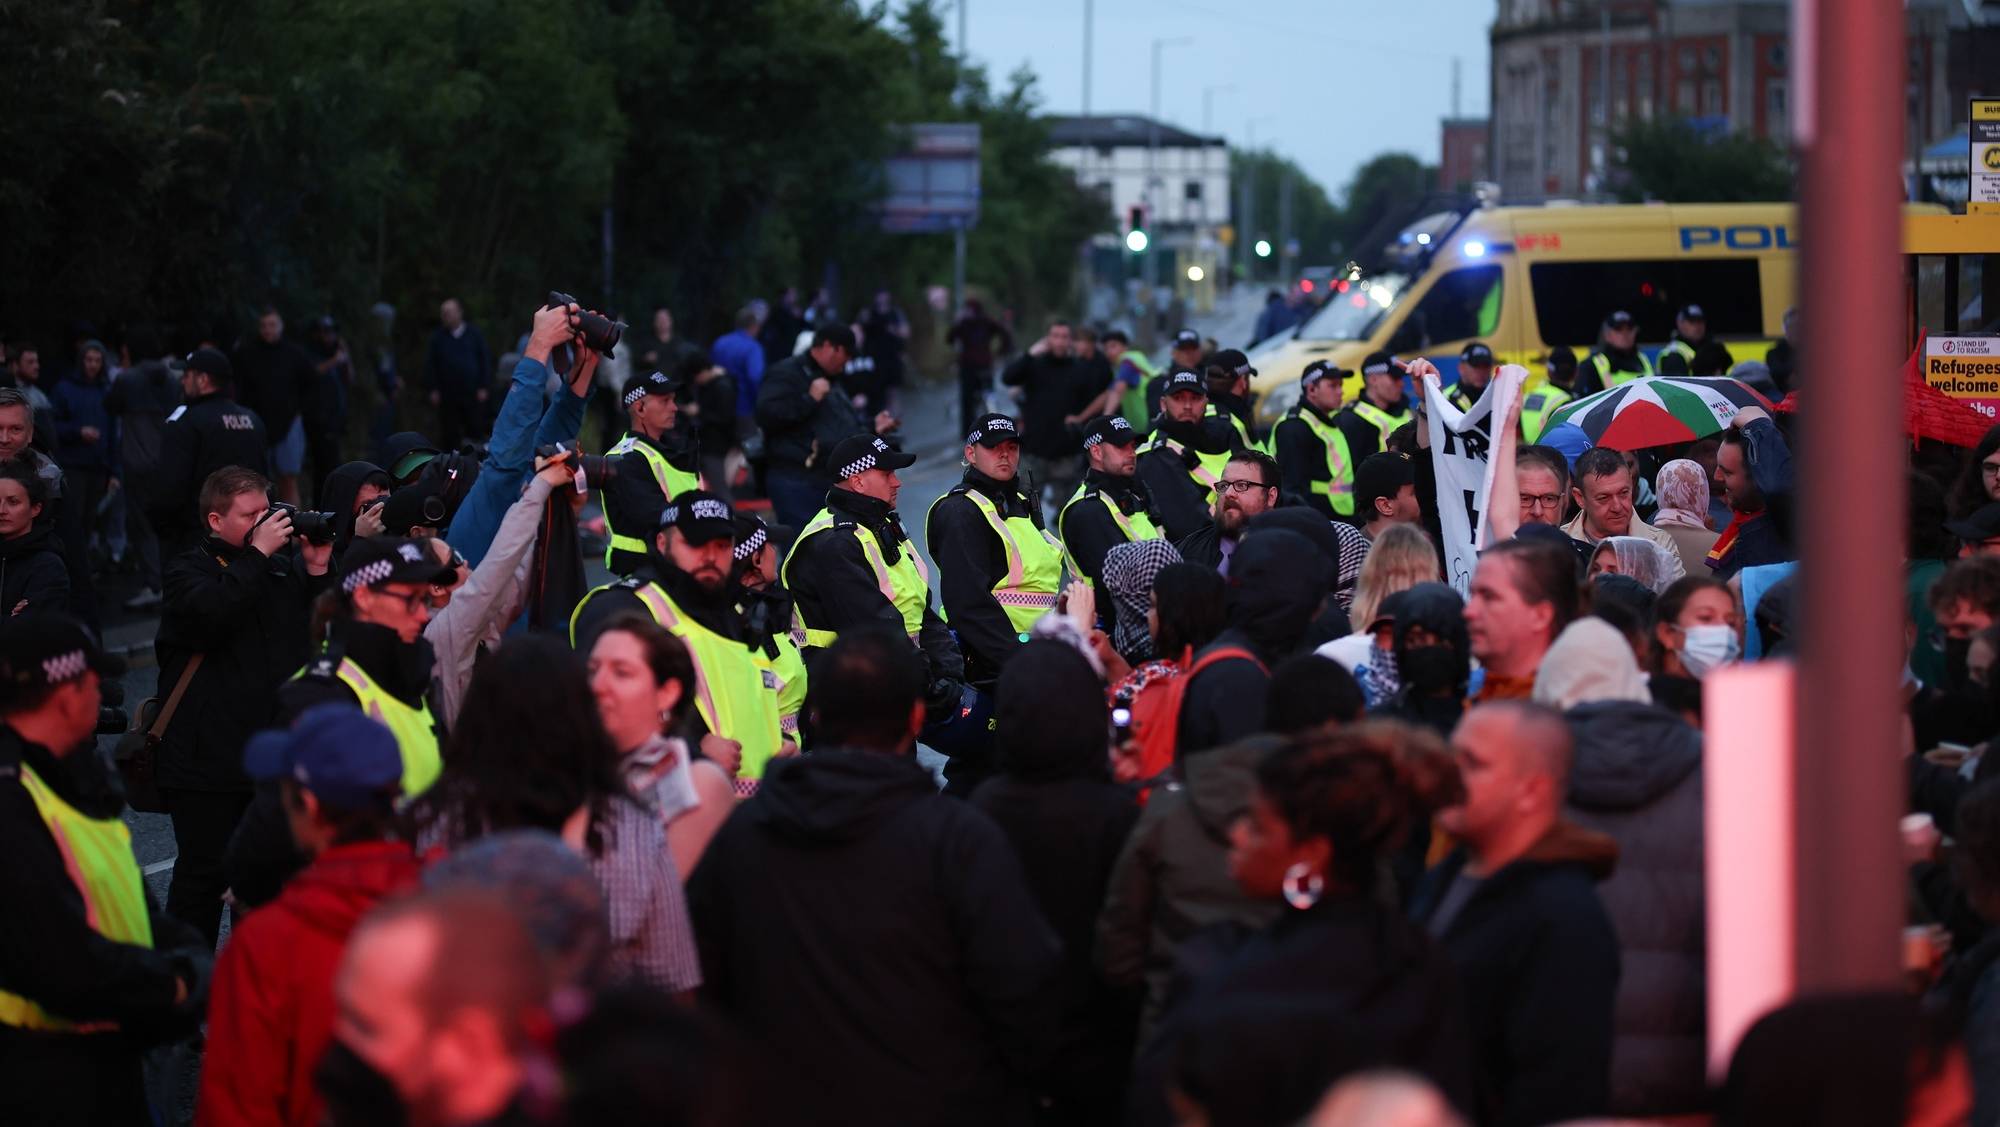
{"points": [[510, 456]]}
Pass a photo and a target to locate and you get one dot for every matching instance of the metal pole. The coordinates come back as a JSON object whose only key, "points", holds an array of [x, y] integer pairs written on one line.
{"points": [[1089, 26], [964, 55], [1208, 94], [958, 268], [1285, 227], [1153, 218], [1601, 150], [1849, 787]]}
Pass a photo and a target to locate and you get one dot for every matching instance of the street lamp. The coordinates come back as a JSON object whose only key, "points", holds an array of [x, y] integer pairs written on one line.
{"points": [[1195, 274], [1153, 140]]}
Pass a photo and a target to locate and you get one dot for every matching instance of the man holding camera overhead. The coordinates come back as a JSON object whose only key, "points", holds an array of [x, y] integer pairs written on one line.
{"points": [[647, 476], [233, 625]]}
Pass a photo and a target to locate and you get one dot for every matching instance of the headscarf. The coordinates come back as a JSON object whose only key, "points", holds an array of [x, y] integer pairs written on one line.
{"points": [[1641, 559], [1589, 661], [1129, 571], [1683, 492]]}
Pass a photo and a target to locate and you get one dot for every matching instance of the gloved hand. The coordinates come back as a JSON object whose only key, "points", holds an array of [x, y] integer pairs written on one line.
{"points": [[941, 700]]}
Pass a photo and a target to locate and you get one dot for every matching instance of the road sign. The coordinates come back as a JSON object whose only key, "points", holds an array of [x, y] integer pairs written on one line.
{"points": [[1967, 369], [1983, 140], [933, 184]]}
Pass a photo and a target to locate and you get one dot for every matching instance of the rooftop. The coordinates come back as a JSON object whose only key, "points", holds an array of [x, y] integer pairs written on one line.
{"points": [[1114, 130]]}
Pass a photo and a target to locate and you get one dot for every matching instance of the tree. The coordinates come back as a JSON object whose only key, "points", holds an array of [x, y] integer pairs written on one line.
{"points": [[1316, 221], [1673, 161], [1383, 188]]}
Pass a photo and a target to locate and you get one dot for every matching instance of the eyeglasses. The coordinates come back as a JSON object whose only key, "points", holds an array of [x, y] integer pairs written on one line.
{"points": [[1240, 485], [1990, 469], [411, 600], [1534, 501]]}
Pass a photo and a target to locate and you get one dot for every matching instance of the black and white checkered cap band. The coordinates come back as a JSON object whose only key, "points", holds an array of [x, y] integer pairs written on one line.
{"points": [[858, 465], [65, 667], [751, 545], [367, 575], [637, 393]]}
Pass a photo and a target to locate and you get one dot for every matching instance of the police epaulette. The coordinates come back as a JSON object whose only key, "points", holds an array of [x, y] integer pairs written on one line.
{"points": [[322, 666], [630, 583]]}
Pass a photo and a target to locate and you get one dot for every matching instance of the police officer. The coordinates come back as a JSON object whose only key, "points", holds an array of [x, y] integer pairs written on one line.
{"points": [[1546, 400], [90, 974], [1183, 459], [1229, 373], [648, 476], [1314, 460], [1475, 371], [684, 586], [1110, 507], [1370, 420], [208, 431], [766, 608], [1617, 359], [1690, 333], [998, 569], [1186, 354]]}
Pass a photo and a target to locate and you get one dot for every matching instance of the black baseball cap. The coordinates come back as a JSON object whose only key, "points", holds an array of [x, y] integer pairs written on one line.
{"points": [[212, 361], [1691, 312], [1319, 370], [1380, 475], [1477, 354], [649, 383], [374, 560], [993, 429], [1619, 320], [48, 648], [861, 452], [345, 757], [752, 535], [836, 334], [1187, 338], [1378, 364], [1184, 379], [1982, 524], [1113, 429], [1234, 360], [701, 516]]}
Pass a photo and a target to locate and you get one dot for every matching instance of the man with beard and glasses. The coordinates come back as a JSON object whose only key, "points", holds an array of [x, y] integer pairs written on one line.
{"points": [[684, 586], [1248, 486], [766, 608], [1185, 457]]}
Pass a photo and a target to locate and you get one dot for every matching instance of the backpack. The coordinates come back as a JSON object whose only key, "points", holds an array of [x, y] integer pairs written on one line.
{"points": [[1156, 711]]}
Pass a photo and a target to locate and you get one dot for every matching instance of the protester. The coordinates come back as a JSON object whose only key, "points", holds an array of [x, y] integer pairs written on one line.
{"points": [[1399, 559], [1385, 494], [1430, 660], [1275, 589], [1247, 488], [1754, 466], [1697, 628], [27, 382], [1110, 507], [643, 679], [1131, 575], [712, 407], [272, 1014], [1517, 912], [1682, 489], [1542, 476], [553, 892], [33, 577], [1131, 371], [1604, 498], [91, 976], [531, 753], [1185, 456], [275, 375], [977, 341], [932, 1005], [1978, 485], [140, 399], [323, 403], [1523, 594], [1635, 556], [233, 626], [458, 370], [1054, 800], [739, 353], [804, 419], [1340, 982], [1060, 392], [354, 493]]}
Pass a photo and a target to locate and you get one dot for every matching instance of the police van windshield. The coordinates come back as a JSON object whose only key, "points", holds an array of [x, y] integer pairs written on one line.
{"points": [[1356, 314]]}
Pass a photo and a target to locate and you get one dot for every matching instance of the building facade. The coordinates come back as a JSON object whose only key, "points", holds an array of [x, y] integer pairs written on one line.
{"points": [[1182, 182], [1723, 63], [1462, 152]]}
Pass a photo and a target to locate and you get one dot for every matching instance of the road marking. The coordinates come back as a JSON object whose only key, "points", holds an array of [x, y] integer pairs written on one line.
{"points": [[160, 866]]}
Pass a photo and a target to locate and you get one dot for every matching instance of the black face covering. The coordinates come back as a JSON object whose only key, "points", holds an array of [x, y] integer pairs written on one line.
{"points": [[356, 1093], [1957, 654], [1429, 670]]}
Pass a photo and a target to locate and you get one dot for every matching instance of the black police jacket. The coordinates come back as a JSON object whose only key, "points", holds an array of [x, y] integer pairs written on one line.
{"points": [[1088, 529], [201, 436], [971, 561], [833, 584]]}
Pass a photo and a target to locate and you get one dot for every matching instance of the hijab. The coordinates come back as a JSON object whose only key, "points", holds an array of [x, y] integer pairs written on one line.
{"points": [[1589, 661], [1683, 493], [1129, 572]]}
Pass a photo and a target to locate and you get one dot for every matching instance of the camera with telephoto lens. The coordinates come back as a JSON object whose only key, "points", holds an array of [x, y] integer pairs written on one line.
{"points": [[597, 469], [112, 720], [312, 527], [598, 333]]}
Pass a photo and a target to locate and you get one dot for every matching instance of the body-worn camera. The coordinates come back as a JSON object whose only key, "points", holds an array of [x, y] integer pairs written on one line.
{"points": [[598, 333], [597, 469], [314, 528]]}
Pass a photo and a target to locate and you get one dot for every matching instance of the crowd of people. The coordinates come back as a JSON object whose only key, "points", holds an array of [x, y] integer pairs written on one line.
{"points": [[1246, 814]]}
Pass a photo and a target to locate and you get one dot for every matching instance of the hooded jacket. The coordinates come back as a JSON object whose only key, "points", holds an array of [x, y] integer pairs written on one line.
{"points": [[1172, 877], [1276, 583], [1539, 961], [1433, 677], [32, 574], [880, 940], [1636, 776], [271, 1009], [337, 495]]}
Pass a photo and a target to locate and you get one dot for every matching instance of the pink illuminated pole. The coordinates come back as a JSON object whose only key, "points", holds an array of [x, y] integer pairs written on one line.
{"points": [[1849, 784]]}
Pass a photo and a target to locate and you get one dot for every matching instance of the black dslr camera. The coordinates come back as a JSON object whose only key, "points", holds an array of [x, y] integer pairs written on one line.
{"points": [[598, 333], [597, 469], [312, 527]]}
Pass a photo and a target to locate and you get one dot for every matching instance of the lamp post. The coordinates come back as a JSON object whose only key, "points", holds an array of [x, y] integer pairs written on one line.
{"points": [[1153, 147]]}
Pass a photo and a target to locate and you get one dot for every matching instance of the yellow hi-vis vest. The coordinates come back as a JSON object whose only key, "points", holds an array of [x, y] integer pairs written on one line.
{"points": [[416, 734], [1206, 471], [1536, 408], [788, 670], [1034, 563], [97, 857], [1338, 488], [1384, 423], [907, 584], [1682, 349], [672, 482], [1611, 379], [733, 694], [1138, 526], [1236, 424]]}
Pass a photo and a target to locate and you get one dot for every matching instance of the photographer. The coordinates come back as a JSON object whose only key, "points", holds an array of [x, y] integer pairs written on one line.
{"points": [[207, 432], [516, 436], [648, 476], [353, 493], [238, 605], [32, 574]]}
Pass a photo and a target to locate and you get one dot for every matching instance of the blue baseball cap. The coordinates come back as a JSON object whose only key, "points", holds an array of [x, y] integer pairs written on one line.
{"points": [[347, 759]]}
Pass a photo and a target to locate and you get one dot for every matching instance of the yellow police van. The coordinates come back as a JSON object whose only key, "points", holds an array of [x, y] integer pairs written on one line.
{"points": [[1528, 279]]}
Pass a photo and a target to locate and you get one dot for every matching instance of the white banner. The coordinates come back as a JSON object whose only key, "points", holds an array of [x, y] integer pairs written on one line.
{"points": [[1462, 451]]}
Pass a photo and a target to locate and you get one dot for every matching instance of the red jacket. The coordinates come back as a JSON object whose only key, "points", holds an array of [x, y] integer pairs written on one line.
{"points": [[270, 1013]]}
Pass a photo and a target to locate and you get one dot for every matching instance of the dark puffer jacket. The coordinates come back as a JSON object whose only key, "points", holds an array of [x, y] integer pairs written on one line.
{"points": [[1637, 778], [32, 574], [1277, 581]]}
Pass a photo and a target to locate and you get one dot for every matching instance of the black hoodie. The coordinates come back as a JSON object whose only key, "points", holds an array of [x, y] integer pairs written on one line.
{"points": [[32, 574], [337, 496], [880, 940], [1277, 582]]}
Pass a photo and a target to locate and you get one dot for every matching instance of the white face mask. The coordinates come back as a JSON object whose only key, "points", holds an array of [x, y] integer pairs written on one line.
{"points": [[1707, 647]]}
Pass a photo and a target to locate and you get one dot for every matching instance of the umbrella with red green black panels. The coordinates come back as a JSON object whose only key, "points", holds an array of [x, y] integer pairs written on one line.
{"points": [[1659, 410]]}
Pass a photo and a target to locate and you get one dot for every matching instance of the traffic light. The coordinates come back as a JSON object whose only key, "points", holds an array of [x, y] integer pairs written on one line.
{"points": [[1135, 234]]}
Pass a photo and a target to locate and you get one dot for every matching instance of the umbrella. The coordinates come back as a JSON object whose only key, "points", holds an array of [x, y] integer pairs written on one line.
{"points": [[1659, 410]]}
